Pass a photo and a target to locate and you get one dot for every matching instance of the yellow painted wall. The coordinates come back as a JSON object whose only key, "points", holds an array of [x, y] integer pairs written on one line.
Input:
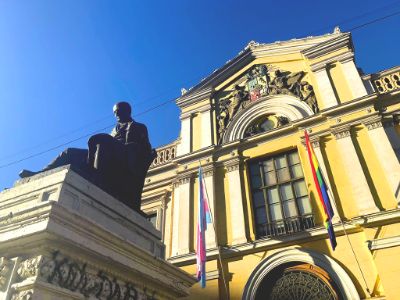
{"points": [[196, 132]]}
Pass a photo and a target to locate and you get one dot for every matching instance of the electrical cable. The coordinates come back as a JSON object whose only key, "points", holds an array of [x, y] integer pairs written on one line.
{"points": [[169, 101]]}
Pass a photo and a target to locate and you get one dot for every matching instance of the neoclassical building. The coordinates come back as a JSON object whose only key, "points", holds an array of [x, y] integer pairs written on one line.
{"points": [[245, 125]]}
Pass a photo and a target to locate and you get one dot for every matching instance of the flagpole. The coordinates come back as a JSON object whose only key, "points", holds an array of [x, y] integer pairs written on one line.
{"points": [[216, 239], [344, 230]]}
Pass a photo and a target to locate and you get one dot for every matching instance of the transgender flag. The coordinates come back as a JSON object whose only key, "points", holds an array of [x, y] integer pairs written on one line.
{"points": [[322, 191], [203, 218]]}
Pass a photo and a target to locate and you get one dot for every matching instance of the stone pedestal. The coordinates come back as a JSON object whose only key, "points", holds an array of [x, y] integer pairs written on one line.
{"points": [[62, 237]]}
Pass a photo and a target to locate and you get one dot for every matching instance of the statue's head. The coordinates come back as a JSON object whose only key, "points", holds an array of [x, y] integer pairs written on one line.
{"points": [[122, 111]]}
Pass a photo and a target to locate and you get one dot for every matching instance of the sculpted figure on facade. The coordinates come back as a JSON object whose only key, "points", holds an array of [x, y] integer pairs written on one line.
{"points": [[116, 162], [261, 81]]}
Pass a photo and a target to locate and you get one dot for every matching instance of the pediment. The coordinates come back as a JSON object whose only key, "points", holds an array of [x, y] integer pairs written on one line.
{"points": [[251, 53]]}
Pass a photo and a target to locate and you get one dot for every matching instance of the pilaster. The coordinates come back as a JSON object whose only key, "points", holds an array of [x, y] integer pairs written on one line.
{"points": [[182, 212], [352, 76], [328, 97], [206, 127], [185, 144], [385, 154], [315, 143], [237, 218], [209, 179], [358, 184]]}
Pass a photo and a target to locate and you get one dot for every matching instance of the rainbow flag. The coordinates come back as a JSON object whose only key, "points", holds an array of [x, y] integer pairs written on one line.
{"points": [[204, 217], [322, 191]]}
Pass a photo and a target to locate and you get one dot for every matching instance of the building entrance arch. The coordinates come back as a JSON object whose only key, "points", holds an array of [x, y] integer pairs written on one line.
{"points": [[300, 271]]}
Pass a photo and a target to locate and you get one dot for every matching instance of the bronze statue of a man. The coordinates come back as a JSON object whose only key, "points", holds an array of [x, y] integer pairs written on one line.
{"points": [[117, 163]]}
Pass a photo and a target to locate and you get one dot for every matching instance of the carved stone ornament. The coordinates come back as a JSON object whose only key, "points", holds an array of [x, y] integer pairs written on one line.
{"points": [[265, 123], [23, 295], [258, 82], [6, 266], [66, 273], [29, 267]]}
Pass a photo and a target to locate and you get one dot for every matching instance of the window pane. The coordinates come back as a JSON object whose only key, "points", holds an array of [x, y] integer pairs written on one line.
{"points": [[272, 195], [258, 199], [286, 192], [283, 175], [268, 165], [275, 211], [293, 158], [256, 181], [280, 162], [270, 178], [300, 188], [289, 208], [304, 206], [261, 216], [255, 169], [296, 171]]}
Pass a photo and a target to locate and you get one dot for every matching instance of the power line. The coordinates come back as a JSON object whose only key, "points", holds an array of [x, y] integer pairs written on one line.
{"points": [[169, 101], [146, 100], [345, 21], [82, 137], [375, 21]]}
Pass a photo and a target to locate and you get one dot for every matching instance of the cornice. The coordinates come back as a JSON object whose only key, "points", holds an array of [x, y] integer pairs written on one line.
{"points": [[319, 66], [252, 51], [336, 43], [190, 99]]}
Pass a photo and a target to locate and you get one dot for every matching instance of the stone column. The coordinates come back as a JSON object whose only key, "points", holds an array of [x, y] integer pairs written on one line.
{"points": [[328, 97], [385, 154], [317, 150], [352, 77], [209, 179], [206, 127], [360, 190], [237, 218], [185, 145]]}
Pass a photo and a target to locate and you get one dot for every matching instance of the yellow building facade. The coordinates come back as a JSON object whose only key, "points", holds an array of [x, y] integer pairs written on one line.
{"points": [[244, 124]]}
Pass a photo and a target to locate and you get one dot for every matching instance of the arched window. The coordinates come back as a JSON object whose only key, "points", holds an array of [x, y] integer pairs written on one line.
{"points": [[279, 193]]}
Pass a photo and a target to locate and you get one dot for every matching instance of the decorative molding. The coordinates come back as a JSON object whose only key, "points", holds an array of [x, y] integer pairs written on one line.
{"points": [[6, 266], [191, 98], [232, 165], [208, 170], [384, 243], [29, 267], [374, 124], [342, 58], [335, 271], [23, 295], [341, 41], [281, 105], [341, 132], [66, 273]]}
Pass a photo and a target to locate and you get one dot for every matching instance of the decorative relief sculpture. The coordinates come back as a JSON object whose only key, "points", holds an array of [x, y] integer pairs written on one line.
{"points": [[265, 123], [6, 266], [117, 163], [258, 82], [71, 275]]}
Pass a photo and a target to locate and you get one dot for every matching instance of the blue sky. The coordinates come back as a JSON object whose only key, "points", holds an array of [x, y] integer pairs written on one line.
{"points": [[63, 64]]}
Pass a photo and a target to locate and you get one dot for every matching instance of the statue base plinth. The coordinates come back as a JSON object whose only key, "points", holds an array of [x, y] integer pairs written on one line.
{"points": [[62, 237]]}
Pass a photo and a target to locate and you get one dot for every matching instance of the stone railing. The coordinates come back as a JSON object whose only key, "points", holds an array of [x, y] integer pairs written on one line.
{"points": [[386, 81], [165, 154]]}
